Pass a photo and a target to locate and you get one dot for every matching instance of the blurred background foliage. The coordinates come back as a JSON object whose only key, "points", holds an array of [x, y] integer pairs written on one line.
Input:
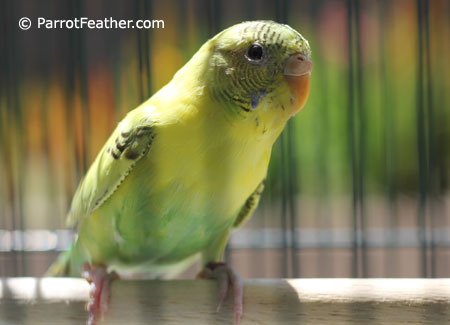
{"points": [[359, 181]]}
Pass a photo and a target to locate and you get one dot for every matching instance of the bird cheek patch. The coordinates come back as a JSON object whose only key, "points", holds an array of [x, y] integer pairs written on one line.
{"points": [[257, 97], [299, 87]]}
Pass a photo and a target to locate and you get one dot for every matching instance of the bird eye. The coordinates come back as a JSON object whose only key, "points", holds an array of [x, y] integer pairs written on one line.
{"points": [[255, 53]]}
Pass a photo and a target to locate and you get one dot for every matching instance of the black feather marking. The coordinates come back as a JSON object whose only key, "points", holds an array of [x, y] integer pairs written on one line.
{"points": [[266, 32], [259, 34], [272, 36], [135, 154], [244, 108], [131, 155], [278, 38], [250, 205], [121, 147]]}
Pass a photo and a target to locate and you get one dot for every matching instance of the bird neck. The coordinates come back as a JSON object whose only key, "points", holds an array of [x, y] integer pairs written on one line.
{"points": [[190, 95]]}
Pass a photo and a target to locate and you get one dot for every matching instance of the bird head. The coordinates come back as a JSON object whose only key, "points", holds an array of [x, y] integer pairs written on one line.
{"points": [[260, 69]]}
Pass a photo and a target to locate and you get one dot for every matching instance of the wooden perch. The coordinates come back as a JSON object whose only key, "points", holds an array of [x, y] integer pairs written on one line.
{"points": [[277, 301]]}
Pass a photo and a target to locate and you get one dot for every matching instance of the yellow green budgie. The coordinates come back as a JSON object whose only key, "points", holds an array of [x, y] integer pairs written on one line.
{"points": [[188, 165]]}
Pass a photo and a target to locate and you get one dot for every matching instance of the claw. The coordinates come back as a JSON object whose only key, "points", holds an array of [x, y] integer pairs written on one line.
{"points": [[225, 276]]}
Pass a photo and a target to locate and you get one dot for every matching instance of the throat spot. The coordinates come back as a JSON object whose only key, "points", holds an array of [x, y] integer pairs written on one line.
{"points": [[257, 97]]}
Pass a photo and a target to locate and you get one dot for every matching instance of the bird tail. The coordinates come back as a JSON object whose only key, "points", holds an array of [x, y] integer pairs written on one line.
{"points": [[61, 267]]}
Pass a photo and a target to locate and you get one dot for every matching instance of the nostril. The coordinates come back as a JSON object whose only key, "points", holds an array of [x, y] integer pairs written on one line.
{"points": [[298, 64]]}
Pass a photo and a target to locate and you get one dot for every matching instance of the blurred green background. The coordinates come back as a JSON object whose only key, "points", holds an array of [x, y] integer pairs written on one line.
{"points": [[358, 184]]}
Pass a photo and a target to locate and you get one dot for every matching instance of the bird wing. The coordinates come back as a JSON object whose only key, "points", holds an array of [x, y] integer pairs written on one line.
{"points": [[129, 142], [249, 205]]}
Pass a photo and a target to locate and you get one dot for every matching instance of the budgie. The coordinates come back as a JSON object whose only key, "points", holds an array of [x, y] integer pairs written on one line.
{"points": [[187, 166]]}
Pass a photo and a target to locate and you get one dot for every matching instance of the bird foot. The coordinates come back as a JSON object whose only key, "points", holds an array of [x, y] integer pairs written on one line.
{"points": [[225, 276], [99, 280]]}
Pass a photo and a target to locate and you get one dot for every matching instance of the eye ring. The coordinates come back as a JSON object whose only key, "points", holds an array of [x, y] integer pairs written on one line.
{"points": [[256, 53]]}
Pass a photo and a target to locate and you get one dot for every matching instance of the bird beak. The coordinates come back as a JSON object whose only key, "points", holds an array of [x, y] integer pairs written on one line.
{"points": [[297, 72]]}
